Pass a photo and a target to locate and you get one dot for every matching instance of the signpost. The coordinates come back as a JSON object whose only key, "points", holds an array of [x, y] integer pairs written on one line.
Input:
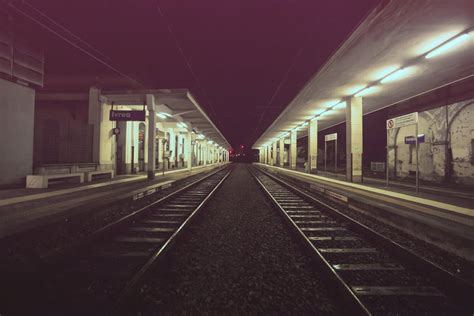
{"points": [[127, 115], [401, 121], [328, 138], [410, 140]]}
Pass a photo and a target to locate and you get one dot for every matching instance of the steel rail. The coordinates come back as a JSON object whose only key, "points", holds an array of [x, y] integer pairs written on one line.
{"points": [[454, 287], [111, 227], [352, 302], [127, 294]]}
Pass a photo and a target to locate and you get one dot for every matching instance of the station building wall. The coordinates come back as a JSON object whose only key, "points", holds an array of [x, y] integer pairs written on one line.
{"points": [[17, 104], [62, 133], [446, 154]]}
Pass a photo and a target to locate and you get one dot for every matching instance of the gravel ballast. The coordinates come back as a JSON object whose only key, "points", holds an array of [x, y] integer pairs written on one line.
{"points": [[237, 257]]}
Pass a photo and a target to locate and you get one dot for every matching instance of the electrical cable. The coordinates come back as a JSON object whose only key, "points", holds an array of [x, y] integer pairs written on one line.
{"points": [[65, 29], [75, 45], [188, 64]]}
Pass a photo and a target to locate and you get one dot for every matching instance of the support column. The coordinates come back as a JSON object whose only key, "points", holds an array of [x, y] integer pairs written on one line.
{"points": [[188, 150], [269, 154], [282, 152], [122, 145], [95, 118], [354, 141], [274, 153], [313, 146], [293, 149], [150, 102]]}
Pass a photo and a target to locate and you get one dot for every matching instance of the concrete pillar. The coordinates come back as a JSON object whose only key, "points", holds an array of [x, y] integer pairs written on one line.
{"points": [[354, 144], [269, 154], [122, 148], [150, 102], [172, 158], [274, 153], [95, 118], [293, 149], [313, 145], [103, 142], [282, 152], [188, 150]]}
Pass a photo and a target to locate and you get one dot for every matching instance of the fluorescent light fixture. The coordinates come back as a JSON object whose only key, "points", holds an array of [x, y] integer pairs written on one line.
{"points": [[304, 124], [161, 115], [383, 72], [352, 89], [398, 74], [366, 91], [319, 112], [166, 114], [327, 112], [182, 125], [431, 43], [201, 136], [340, 105], [448, 45]]}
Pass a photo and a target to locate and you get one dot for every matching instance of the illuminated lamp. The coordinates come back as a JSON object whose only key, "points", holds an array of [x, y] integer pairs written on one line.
{"points": [[448, 45]]}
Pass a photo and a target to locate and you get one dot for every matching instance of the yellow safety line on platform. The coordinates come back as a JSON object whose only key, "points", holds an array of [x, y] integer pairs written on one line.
{"points": [[26, 198], [401, 196]]}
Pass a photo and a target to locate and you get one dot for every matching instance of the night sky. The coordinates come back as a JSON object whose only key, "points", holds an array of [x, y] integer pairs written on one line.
{"points": [[248, 56]]}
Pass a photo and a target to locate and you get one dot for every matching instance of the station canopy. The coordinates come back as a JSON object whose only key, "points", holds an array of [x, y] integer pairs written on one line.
{"points": [[181, 103], [401, 49]]}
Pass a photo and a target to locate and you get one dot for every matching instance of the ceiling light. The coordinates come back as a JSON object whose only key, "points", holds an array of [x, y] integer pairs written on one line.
{"points": [[340, 105], [326, 112], [304, 124], [383, 72], [448, 45], [397, 74], [352, 89], [366, 91], [160, 115]]}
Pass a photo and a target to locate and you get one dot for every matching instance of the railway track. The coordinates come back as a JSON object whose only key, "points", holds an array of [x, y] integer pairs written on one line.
{"points": [[109, 267], [372, 275]]}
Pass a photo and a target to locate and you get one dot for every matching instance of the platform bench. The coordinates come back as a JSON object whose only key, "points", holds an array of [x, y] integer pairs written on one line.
{"points": [[90, 174], [41, 181]]}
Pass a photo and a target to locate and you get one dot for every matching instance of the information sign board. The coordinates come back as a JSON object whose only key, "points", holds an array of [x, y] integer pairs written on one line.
{"points": [[128, 115], [330, 137], [404, 120], [412, 140]]}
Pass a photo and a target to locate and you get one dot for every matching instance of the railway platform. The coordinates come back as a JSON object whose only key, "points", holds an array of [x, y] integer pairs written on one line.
{"points": [[23, 209], [444, 217]]}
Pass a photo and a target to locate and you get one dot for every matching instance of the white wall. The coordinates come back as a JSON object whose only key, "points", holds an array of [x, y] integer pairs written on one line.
{"points": [[17, 105], [452, 134]]}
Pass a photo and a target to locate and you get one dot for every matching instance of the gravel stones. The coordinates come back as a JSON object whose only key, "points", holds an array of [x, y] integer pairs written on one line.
{"points": [[238, 257]]}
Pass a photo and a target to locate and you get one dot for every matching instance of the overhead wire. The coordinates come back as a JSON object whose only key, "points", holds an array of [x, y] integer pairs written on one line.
{"points": [[186, 60], [48, 28], [280, 84], [65, 29]]}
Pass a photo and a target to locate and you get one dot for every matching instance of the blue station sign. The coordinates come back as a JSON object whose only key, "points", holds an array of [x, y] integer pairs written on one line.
{"points": [[127, 115], [412, 140]]}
